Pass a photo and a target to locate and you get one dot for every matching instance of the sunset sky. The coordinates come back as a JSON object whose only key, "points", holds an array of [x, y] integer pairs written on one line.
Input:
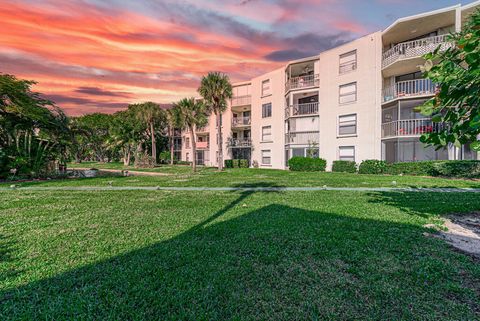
{"points": [[99, 56]]}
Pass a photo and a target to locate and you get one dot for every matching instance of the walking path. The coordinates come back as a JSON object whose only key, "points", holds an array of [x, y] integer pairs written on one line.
{"points": [[120, 171], [241, 189]]}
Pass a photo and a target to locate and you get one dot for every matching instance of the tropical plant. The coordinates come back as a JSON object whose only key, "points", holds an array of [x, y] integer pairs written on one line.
{"points": [[216, 90], [457, 101], [190, 113], [170, 117]]}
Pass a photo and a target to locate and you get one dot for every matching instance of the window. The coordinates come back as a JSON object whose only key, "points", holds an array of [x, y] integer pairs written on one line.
{"points": [[348, 62], [266, 133], [266, 110], [347, 124], [266, 157], [346, 153], [266, 88], [298, 152], [348, 93], [187, 142]]}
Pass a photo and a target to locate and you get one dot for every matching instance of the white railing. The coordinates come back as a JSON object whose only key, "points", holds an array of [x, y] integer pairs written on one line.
{"points": [[409, 88], [302, 82], [415, 48], [241, 121], [241, 100], [301, 110], [244, 142], [304, 137], [410, 127]]}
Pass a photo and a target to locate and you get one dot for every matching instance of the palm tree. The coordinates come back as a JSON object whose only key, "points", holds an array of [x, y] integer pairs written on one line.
{"points": [[190, 113], [171, 131], [151, 114], [216, 90]]}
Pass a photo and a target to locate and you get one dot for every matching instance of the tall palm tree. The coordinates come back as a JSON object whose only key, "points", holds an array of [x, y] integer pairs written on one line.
{"points": [[216, 90], [190, 113], [151, 114], [171, 131]]}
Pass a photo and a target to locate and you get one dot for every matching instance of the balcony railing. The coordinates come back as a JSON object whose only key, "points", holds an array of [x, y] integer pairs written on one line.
{"points": [[301, 110], [202, 145], [409, 88], [241, 100], [410, 127], [302, 82], [305, 137], [415, 48], [241, 121], [244, 142]]}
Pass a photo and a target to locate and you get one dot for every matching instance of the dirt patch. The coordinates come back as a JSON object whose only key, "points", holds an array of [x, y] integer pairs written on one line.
{"points": [[462, 232]]}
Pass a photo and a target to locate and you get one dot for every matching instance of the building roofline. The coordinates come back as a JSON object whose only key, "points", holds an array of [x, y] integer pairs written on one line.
{"points": [[471, 5], [241, 83], [421, 15]]}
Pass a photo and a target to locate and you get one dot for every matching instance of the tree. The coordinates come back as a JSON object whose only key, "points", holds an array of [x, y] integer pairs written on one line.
{"points": [[154, 117], [97, 129], [216, 90], [457, 101], [190, 113], [170, 131], [126, 132]]}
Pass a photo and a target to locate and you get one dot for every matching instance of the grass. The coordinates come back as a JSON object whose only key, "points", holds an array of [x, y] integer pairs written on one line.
{"points": [[140, 255], [182, 176]]}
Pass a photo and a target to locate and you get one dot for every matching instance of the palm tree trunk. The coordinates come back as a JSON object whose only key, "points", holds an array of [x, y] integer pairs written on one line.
{"points": [[194, 149], [171, 133], [220, 143], [154, 145]]}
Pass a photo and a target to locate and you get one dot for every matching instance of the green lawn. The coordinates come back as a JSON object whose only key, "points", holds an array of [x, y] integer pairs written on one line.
{"points": [[182, 176], [111, 255]]}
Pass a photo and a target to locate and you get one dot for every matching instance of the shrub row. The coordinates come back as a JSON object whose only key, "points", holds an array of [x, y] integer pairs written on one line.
{"points": [[462, 168], [236, 163], [307, 164], [344, 166]]}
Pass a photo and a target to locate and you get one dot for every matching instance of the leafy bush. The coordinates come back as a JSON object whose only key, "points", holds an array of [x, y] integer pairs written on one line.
{"points": [[462, 168], [180, 162], [164, 157], [423, 168], [344, 166], [307, 164], [243, 163], [236, 163], [372, 166], [229, 163]]}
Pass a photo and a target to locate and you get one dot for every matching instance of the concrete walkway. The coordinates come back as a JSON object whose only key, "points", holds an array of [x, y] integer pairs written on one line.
{"points": [[120, 171], [240, 189]]}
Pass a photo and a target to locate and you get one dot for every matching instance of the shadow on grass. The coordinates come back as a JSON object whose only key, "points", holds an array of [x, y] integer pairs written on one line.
{"points": [[276, 262]]}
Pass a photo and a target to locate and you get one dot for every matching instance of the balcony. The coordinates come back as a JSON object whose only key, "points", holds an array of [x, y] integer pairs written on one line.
{"points": [[202, 129], [202, 145], [413, 49], [239, 143], [410, 127], [300, 82], [409, 88], [241, 121], [301, 138], [301, 110], [241, 100]]}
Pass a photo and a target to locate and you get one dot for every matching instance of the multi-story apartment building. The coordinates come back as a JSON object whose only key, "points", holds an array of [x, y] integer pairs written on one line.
{"points": [[352, 102]]}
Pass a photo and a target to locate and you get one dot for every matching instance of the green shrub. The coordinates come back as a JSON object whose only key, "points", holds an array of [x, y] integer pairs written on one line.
{"points": [[307, 164], [243, 163], [180, 162], [229, 163], [372, 166], [423, 168], [344, 166], [462, 168], [164, 157], [236, 163]]}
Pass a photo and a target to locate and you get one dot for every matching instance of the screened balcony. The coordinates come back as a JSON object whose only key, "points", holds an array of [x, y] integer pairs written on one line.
{"points": [[302, 137], [244, 100], [410, 127], [241, 121], [301, 110]]}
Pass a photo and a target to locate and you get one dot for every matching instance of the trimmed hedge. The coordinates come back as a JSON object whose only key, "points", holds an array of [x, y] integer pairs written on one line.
{"points": [[307, 164], [344, 166], [462, 168], [236, 163], [372, 166]]}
